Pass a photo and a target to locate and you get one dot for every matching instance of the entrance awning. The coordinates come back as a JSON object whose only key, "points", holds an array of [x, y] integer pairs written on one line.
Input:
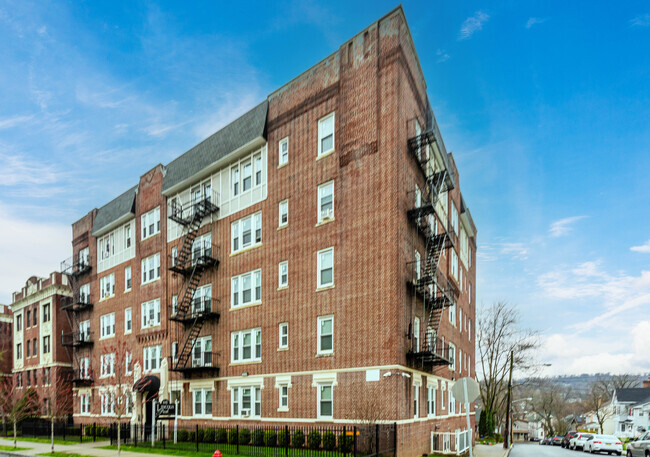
{"points": [[147, 384]]}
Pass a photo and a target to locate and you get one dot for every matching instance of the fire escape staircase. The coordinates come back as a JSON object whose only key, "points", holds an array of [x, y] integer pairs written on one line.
{"points": [[191, 263]]}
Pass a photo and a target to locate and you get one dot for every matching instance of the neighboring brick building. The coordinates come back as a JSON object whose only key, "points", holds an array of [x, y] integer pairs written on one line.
{"points": [[39, 360], [6, 341], [314, 260]]}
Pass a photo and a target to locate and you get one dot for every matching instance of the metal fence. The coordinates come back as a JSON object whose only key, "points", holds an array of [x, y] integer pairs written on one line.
{"points": [[62, 431], [272, 440]]}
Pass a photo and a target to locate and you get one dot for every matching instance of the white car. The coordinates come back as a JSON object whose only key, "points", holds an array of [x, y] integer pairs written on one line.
{"points": [[578, 441], [603, 443]]}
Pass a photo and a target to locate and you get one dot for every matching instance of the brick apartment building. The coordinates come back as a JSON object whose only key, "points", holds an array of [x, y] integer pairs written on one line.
{"points": [[6, 341], [310, 262], [39, 322]]}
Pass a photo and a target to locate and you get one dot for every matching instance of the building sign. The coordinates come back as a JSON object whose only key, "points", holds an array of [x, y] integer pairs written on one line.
{"points": [[165, 409]]}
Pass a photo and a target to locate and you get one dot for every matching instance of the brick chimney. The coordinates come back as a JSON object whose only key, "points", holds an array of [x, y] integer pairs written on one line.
{"points": [[646, 384]]}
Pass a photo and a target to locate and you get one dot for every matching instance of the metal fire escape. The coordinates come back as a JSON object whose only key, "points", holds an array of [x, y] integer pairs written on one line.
{"points": [[427, 281], [193, 259], [77, 307]]}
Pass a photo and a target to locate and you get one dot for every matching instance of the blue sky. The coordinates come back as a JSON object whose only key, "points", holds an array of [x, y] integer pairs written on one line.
{"points": [[546, 106]]}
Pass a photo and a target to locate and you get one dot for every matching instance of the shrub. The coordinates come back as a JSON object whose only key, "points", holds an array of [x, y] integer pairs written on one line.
{"points": [[298, 438], [201, 435], [313, 440], [208, 436], [221, 436], [270, 438], [244, 436], [329, 441], [258, 438], [88, 430], [232, 436], [182, 435], [345, 443], [103, 431], [283, 438], [191, 436]]}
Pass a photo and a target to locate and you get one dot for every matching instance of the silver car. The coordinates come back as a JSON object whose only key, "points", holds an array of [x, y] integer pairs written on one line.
{"points": [[640, 447], [603, 443]]}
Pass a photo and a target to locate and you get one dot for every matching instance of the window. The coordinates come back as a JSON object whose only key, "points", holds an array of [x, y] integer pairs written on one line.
{"points": [[84, 400], [235, 180], [202, 300], [107, 323], [47, 376], [107, 246], [127, 278], [283, 217], [284, 397], [19, 351], [325, 334], [284, 335], [246, 232], [128, 321], [454, 264], [19, 380], [257, 160], [46, 345], [174, 304], [283, 149], [416, 335], [202, 353], [418, 196], [246, 289], [202, 401], [417, 266], [29, 378], [452, 403], [151, 223], [84, 257], [454, 218], [469, 330], [176, 399], [326, 134], [151, 268], [46, 312], [325, 268], [325, 403], [35, 315], [108, 403], [84, 294], [246, 401], [247, 175], [19, 323], [28, 350], [127, 236], [174, 256], [84, 367], [416, 400], [107, 286], [150, 313], [283, 274], [107, 362], [175, 351], [201, 248], [452, 314], [431, 401], [326, 202], [152, 357], [28, 320], [246, 346], [452, 357], [128, 363]]}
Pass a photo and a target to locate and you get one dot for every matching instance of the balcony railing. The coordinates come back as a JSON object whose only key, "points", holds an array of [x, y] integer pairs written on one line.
{"points": [[429, 349], [77, 339], [202, 257], [203, 308], [78, 302], [187, 213], [432, 286], [197, 363], [82, 377], [76, 266]]}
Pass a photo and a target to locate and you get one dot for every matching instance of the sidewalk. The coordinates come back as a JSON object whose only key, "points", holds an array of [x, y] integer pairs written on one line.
{"points": [[483, 450], [81, 448]]}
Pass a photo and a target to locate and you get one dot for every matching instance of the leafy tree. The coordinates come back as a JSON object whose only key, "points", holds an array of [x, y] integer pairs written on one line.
{"points": [[17, 405]]}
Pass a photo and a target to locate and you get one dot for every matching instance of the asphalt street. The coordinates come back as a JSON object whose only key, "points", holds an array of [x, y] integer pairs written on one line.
{"points": [[536, 450]]}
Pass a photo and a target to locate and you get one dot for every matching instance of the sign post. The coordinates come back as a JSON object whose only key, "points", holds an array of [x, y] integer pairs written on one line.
{"points": [[153, 422], [175, 420], [467, 390]]}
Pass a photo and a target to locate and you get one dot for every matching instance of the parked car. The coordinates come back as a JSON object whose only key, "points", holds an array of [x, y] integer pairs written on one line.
{"points": [[639, 447], [578, 441], [534, 439], [545, 440], [557, 440], [567, 438], [603, 443]]}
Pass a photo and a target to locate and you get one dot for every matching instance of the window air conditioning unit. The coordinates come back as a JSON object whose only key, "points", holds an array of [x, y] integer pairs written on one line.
{"points": [[150, 322], [245, 412], [327, 214]]}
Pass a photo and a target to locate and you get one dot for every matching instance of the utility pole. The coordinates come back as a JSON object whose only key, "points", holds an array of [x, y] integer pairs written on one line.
{"points": [[506, 437]]}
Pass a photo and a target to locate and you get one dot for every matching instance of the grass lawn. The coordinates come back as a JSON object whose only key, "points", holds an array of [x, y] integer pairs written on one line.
{"points": [[11, 448], [180, 452], [64, 454], [227, 450], [48, 440]]}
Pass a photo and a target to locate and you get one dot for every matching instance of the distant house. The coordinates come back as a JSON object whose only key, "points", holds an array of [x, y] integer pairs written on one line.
{"points": [[591, 420], [631, 410], [535, 426], [520, 430]]}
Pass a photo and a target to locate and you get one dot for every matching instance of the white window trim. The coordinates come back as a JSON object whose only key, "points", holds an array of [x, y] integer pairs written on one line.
{"points": [[431, 401], [102, 325], [127, 278], [156, 268], [130, 313], [240, 290], [102, 284], [203, 402], [319, 386], [319, 350], [283, 325], [237, 226], [321, 121], [236, 392], [416, 399], [318, 268], [282, 285], [255, 332], [144, 314], [280, 143], [284, 204], [157, 223], [320, 195], [146, 358]]}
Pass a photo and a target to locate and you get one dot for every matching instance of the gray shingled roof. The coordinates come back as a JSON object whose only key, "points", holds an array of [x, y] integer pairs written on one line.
{"points": [[241, 131], [634, 394], [114, 209]]}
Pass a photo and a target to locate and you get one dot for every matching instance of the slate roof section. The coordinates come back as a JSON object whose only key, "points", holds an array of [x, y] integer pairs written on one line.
{"points": [[115, 209], [633, 394], [241, 131]]}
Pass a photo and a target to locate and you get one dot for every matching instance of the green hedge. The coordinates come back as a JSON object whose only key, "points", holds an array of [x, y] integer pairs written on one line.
{"points": [[244, 436], [283, 438], [221, 436], [209, 435], [182, 435], [298, 439], [345, 442], [329, 441], [232, 436], [270, 438], [258, 438], [313, 440]]}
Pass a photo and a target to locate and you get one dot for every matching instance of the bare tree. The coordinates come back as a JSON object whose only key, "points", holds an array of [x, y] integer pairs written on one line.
{"points": [[58, 395], [552, 402], [619, 381], [499, 334], [367, 405], [17, 405], [597, 401]]}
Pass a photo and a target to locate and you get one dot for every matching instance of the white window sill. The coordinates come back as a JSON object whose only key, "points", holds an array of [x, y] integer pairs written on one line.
{"points": [[325, 354], [246, 362], [283, 287], [255, 246], [283, 409], [325, 221], [324, 419], [327, 287], [322, 155], [283, 226], [250, 305], [282, 165], [106, 337], [149, 282], [283, 349]]}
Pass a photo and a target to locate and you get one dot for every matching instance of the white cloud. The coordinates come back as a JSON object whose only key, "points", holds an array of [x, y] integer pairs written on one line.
{"points": [[473, 24], [563, 226], [644, 248], [10, 122], [642, 20], [18, 170], [442, 56], [534, 20]]}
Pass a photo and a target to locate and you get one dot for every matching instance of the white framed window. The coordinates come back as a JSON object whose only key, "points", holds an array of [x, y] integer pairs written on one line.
{"points": [[469, 329], [418, 196], [84, 330], [418, 265], [431, 401], [84, 401], [284, 397], [416, 334], [46, 313], [128, 321], [107, 362], [246, 345], [202, 246], [452, 314], [127, 278], [128, 363], [454, 218], [84, 293], [151, 268], [283, 330], [325, 401], [127, 236], [19, 351], [176, 397], [246, 232], [174, 304], [108, 403], [107, 324], [19, 322], [257, 161], [283, 274], [283, 216], [84, 367], [283, 151], [234, 177], [325, 268], [174, 256], [452, 357], [150, 223], [416, 400], [202, 300], [46, 344], [84, 257], [326, 335], [107, 245], [152, 357], [246, 401], [175, 351], [246, 175], [202, 402], [326, 202], [202, 352], [107, 286], [452, 402], [246, 289], [150, 313], [454, 264], [326, 134]]}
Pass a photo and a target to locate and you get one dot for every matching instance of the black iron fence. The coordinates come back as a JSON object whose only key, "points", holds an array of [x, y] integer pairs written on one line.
{"points": [[272, 440], [42, 429]]}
